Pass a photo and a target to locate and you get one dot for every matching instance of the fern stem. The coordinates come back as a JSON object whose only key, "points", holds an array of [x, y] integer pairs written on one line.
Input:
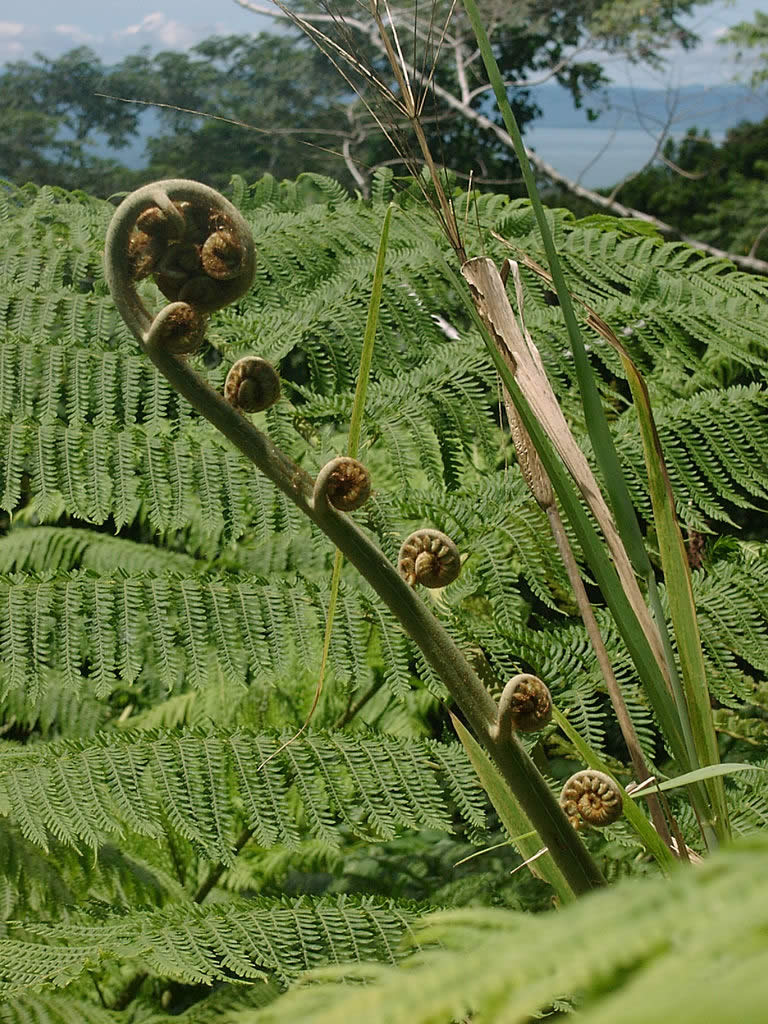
{"points": [[439, 649], [441, 652]]}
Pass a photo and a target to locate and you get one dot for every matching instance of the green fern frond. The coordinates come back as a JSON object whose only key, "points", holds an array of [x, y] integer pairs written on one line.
{"points": [[645, 950], [373, 786], [196, 945], [64, 548], [50, 883], [54, 1009]]}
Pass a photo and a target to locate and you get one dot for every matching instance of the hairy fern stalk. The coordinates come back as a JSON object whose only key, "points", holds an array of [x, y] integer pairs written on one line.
{"points": [[163, 608]]}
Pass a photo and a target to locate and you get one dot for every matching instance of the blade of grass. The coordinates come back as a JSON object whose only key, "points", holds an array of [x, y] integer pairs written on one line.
{"points": [[592, 547], [515, 821], [353, 442], [677, 576], [358, 406], [645, 831], [712, 771], [597, 424], [634, 637], [694, 717]]}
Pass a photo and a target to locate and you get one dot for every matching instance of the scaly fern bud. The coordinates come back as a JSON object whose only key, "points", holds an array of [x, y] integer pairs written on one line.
{"points": [[591, 798], [430, 558], [525, 705], [344, 483], [179, 328], [223, 254], [252, 384], [192, 241]]}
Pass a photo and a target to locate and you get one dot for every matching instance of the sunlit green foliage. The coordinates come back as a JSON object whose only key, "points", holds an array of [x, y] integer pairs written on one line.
{"points": [[162, 607]]}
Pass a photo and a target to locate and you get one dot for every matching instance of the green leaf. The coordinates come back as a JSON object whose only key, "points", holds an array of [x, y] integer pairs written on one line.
{"points": [[514, 818], [710, 771]]}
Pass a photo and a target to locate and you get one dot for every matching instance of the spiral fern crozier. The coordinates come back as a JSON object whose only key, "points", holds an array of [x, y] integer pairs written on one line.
{"points": [[430, 558], [193, 243], [591, 798], [199, 250], [525, 705], [252, 384], [344, 483]]}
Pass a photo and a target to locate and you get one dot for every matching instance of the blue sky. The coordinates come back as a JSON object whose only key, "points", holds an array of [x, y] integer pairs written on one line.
{"points": [[114, 28]]}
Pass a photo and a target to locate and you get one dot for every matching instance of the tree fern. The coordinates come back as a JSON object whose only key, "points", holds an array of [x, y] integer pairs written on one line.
{"points": [[81, 792], [162, 607], [244, 939]]}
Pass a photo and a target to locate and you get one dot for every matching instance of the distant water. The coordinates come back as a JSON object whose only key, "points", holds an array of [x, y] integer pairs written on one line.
{"points": [[596, 157]]}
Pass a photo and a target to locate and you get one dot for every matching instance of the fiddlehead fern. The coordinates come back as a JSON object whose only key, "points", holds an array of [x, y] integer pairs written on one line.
{"points": [[591, 798], [252, 384], [344, 483], [191, 240], [525, 705], [205, 293], [430, 558]]}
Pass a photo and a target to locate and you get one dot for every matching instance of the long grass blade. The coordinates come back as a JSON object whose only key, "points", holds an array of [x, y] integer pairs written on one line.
{"points": [[353, 443], [677, 575], [700, 775], [592, 547], [358, 406], [525, 839], [597, 424]]}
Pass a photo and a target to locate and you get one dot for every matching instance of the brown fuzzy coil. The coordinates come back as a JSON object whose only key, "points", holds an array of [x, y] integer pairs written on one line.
{"points": [[347, 483], [430, 558], [591, 798], [526, 703], [196, 253], [252, 384], [223, 255], [180, 329]]}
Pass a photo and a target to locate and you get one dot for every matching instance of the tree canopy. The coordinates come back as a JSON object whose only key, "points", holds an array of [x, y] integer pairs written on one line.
{"points": [[303, 115], [709, 190]]}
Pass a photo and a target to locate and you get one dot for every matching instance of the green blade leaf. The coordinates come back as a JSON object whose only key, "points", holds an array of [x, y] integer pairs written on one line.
{"points": [[594, 414], [711, 771], [356, 420], [677, 575], [516, 822], [594, 552]]}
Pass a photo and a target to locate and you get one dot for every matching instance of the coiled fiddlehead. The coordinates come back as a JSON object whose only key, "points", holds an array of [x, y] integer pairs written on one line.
{"points": [[252, 384], [430, 558], [193, 243], [344, 483], [591, 798], [525, 705]]}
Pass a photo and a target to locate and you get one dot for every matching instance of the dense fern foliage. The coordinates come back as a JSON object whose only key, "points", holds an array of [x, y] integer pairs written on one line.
{"points": [[162, 607], [638, 953]]}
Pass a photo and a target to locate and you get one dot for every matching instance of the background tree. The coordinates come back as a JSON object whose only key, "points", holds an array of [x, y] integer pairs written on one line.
{"points": [[535, 40], [715, 192], [751, 36], [54, 119], [288, 109]]}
